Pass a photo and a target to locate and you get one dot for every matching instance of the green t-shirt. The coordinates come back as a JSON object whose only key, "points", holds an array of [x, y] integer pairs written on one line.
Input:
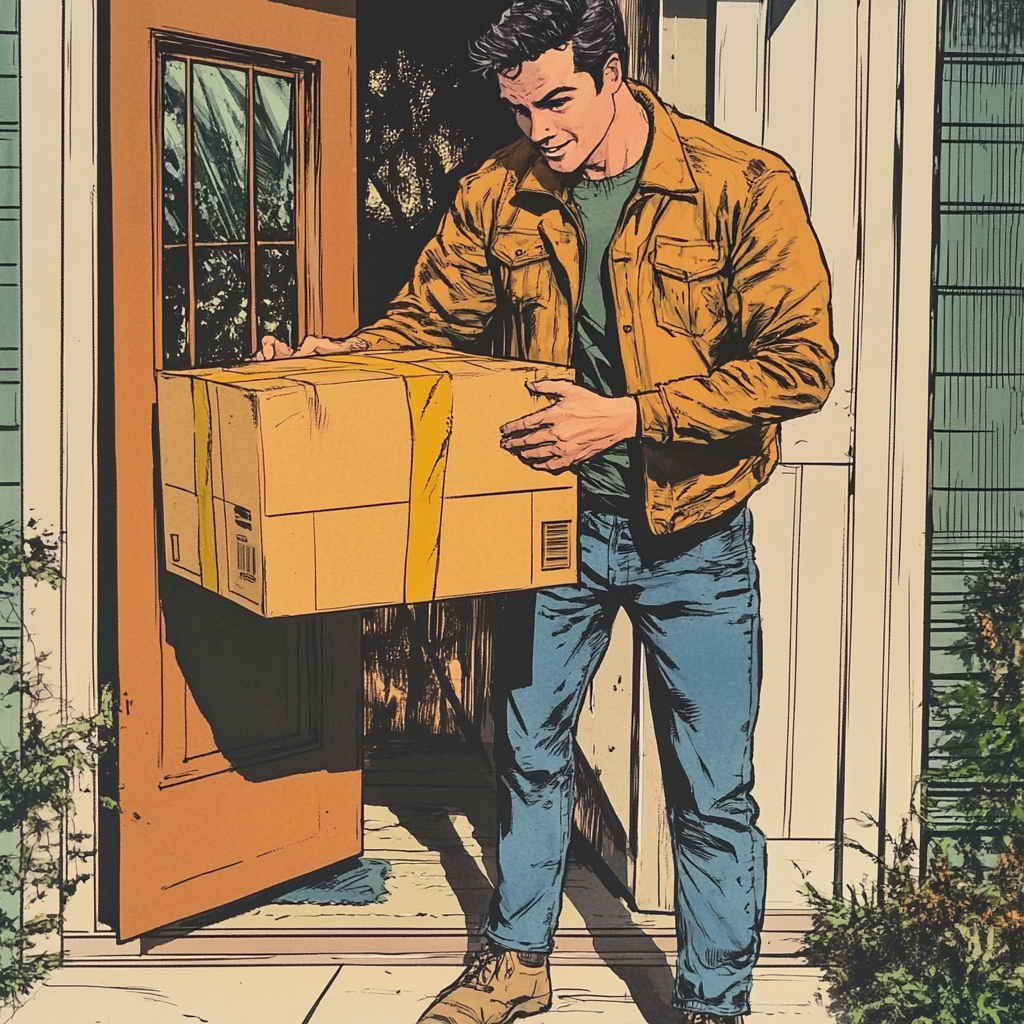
{"points": [[597, 357]]}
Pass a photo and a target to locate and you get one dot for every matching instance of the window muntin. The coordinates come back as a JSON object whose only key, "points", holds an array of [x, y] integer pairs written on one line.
{"points": [[230, 269]]}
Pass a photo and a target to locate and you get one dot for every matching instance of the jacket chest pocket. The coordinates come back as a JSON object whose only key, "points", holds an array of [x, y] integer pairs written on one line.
{"points": [[689, 286], [525, 267]]}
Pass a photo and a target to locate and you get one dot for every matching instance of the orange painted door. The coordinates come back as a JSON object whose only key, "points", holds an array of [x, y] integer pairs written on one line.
{"points": [[233, 184]]}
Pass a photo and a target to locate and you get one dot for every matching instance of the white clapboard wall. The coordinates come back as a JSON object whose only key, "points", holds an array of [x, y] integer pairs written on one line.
{"points": [[844, 91]]}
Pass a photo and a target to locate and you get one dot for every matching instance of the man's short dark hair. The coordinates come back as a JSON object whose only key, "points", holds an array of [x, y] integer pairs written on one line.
{"points": [[531, 27]]}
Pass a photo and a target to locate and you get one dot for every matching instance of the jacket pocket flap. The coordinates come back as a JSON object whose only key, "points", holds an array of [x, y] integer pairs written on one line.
{"points": [[515, 248], [687, 260]]}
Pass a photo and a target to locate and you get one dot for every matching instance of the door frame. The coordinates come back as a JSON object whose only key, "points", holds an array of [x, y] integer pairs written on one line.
{"points": [[60, 382]]}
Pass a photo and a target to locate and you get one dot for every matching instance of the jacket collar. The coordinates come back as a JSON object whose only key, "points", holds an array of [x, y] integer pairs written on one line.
{"points": [[665, 167]]}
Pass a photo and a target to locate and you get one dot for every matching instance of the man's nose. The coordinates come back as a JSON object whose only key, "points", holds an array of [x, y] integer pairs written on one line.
{"points": [[541, 128]]}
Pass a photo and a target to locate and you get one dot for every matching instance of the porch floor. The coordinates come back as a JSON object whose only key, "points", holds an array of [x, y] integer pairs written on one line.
{"points": [[432, 818], [395, 995]]}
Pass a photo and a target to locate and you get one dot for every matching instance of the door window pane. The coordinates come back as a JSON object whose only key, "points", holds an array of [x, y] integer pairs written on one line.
{"points": [[174, 188], [223, 332], [274, 146], [219, 144], [176, 309], [276, 294]]}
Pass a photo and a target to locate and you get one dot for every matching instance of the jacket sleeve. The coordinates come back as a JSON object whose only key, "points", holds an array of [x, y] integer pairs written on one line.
{"points": [[779, 298], [450, 297]]}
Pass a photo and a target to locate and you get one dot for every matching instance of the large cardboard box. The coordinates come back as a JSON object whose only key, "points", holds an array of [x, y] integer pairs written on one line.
{"points": [[314, 485]]}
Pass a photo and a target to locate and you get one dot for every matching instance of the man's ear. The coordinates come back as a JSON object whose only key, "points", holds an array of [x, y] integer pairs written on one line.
{"points": [[613, 72]]}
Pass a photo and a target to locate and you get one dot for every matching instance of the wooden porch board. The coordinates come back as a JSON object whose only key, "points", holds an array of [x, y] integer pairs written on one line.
{"points": [[428, 946]]}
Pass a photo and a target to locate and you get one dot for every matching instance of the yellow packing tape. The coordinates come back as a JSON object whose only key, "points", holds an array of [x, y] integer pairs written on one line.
{"points": [[430, 409], [203, 428], [429, 394]]}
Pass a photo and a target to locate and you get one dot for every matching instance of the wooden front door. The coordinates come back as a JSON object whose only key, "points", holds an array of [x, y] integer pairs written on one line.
{"points": [[233, 183]]}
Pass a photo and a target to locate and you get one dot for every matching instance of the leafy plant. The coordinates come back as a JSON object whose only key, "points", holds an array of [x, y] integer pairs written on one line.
{"points": [[946, 945], [983, 715], [938, 949], [36, 777]]}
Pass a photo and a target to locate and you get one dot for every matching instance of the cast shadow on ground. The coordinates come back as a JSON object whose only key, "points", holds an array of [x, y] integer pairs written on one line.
{"points": [[426, 795]]}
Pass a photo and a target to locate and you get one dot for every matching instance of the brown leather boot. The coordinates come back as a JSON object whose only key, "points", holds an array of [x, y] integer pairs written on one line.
{"points": [[495, 988]]}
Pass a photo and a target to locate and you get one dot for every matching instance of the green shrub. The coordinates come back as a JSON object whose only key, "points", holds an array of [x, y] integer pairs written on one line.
{"points": [[946, 945], [36, 777], [942, 949], [983, 715]]}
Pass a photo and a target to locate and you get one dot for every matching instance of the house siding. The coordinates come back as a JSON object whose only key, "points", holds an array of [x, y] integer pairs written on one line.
{"points": [[10, 363]]}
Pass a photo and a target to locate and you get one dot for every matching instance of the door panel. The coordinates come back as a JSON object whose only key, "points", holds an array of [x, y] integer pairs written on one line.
{"points": [[239, 763]]}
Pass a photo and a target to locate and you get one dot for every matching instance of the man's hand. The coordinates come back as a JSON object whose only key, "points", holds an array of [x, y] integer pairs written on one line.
{"points": [[578, 425], [274, 348]]}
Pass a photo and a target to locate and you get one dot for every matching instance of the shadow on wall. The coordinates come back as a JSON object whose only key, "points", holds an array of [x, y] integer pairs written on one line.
{"points": [[425, 793]]}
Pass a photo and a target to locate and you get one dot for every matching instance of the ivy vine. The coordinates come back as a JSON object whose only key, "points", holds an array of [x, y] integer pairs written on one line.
{"points": [[37, 774]]}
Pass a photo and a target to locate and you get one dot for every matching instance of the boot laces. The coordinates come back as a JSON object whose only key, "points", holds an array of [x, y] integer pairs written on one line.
{"points": [[485, 969]]}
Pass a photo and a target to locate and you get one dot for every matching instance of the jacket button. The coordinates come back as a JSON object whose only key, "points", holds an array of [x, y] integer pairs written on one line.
{"points": [[627, 328], [519, 252]]}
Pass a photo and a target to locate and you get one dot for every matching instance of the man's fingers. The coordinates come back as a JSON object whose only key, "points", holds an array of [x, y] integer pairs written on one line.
{"points": [[269, 349], [309, 346], [543, 417], [550, 460], [541, 453], [353, 345], [550, 387], [533, 439], [314, 345], [534, 421]]}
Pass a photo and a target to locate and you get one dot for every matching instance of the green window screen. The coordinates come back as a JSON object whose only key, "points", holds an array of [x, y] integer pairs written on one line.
{"points": [[977, 362]]}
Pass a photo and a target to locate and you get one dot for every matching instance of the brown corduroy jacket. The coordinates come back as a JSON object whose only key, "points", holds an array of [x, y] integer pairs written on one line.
{"points": [[720, 288]]}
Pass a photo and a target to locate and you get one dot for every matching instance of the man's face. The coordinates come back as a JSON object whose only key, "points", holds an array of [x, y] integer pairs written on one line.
{"points": [[559, 108]]}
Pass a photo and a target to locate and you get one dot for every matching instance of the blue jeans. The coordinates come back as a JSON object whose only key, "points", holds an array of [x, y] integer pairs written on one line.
{"points": [[693, 598]]}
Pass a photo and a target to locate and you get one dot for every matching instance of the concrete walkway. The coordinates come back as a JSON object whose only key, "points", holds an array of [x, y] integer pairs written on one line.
{"points": [[372, 995]]}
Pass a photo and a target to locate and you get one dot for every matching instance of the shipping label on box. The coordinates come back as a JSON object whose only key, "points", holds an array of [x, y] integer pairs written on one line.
{"points": [[350, 481]]}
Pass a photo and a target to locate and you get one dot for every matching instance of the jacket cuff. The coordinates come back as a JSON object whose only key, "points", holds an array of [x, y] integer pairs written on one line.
{"points": [[655, 418]]}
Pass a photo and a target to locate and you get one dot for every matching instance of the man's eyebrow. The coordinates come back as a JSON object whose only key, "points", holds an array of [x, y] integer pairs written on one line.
{"points": [[547, 97]]}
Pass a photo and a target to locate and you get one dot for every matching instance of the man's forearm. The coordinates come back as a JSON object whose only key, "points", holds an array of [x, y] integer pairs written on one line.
{"points": [[741, 394]]}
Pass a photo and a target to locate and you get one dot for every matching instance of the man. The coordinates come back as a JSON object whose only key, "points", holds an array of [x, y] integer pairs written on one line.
{"points": [[674, 267]]}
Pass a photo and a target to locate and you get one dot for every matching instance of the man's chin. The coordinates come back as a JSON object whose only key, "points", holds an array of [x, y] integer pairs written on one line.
{"points": [[562, 162]]}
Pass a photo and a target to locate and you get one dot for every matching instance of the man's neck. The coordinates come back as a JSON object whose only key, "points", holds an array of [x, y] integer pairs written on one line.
{"points": [[625, 141]]}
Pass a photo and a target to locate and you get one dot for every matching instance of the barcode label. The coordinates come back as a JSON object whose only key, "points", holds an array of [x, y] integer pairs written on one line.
{"points": [[554, 545], [246, 555]]}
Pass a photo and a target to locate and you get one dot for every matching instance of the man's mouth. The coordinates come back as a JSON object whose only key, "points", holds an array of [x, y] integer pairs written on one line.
{"points": [[554, 151]]}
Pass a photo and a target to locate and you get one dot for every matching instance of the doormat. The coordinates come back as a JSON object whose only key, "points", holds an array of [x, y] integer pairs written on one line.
{"points": [[359, 882]]}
